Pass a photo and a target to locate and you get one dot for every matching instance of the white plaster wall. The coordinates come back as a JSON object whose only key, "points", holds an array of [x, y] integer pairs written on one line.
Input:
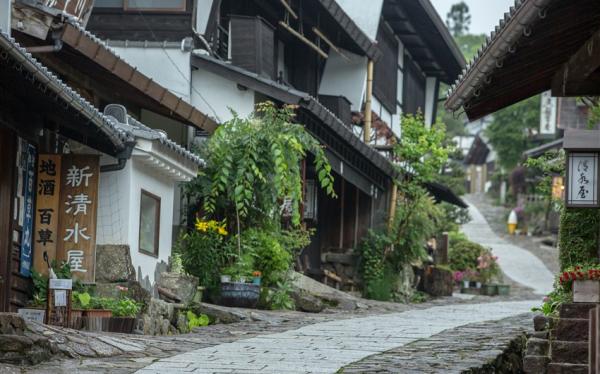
{"points": [[366, 14], [113, 204], [202, 14], [430, 96], [346, 78], [168, 67], [119, 213], [214, 95], [145, 178]]}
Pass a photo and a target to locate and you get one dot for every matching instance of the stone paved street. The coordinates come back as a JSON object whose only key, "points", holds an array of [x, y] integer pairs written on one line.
{"points": [[518, 264], [326, 347]]}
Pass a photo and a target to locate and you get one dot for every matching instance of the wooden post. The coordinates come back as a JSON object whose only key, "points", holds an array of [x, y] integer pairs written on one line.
{"points": [[342, 198], [368, 113], [393, 201], [356, 214]]}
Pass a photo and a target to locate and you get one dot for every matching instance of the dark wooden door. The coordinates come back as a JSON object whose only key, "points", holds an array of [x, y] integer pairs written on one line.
{"points": [[7, 162]]}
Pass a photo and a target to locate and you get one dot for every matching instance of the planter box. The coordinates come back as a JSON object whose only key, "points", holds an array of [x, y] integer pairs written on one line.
{"points": [[97, 313], [489, 290], [587, 291], [76, 321], [123, 325], [503, 289], [241, 295]]}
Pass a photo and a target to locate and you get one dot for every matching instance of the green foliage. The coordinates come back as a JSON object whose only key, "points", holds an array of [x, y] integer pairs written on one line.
{"points": [[254, 163], [196, 321], [553, 301], [419, 297], [372, 254], [81, 300], [279, 298], [124, 307], [458, 19], [203, 255], [548, 165], [294, 240], [453, 217], [270, 258], [578, 236], [511, 129], [40, 288], [463, 254]]}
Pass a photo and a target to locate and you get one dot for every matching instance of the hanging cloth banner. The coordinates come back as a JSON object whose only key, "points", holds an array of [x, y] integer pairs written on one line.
{"points": [[28, 194], [46, 211]]}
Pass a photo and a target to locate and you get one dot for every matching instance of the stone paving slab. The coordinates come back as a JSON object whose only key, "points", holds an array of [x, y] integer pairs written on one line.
{"points": [[311, 349], [468, 348], [517, 263]]}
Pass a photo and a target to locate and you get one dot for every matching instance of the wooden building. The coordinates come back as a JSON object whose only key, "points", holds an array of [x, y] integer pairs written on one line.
{"points": [[310, 53]]}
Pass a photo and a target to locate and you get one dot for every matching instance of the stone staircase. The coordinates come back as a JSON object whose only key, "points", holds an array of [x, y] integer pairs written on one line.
{"points": [[560, 345]]}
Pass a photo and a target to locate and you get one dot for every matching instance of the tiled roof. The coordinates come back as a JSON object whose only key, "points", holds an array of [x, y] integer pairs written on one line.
{"points": [[107, 125], [497, 45]]}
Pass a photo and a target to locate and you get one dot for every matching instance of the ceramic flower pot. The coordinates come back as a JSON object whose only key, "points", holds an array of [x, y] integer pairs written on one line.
{"points": [[225, 279], [477, 284], [465, 284], [241, 295], [256, 281], [503, 289]]}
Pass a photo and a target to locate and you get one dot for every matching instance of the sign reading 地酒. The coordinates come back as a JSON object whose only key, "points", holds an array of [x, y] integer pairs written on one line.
{"points": [[45, 237], [77, 219]]}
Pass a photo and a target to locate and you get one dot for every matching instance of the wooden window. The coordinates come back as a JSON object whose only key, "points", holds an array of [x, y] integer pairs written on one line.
{"points": [[149, 223], [156, 5], [414, 88], [385, 71]]}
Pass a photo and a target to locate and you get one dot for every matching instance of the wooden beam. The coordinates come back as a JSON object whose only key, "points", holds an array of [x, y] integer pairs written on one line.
{"points": [[329, 43], [289, 8], [303, 39], [580, 66]]}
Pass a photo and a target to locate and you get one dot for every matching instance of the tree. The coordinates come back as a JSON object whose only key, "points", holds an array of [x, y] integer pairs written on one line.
{"points": [[511, 130], [458, 19]]}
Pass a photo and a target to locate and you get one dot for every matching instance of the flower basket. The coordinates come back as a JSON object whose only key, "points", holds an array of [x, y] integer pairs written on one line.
{"points": [[241, 295], [123, 325], [586, 291]]}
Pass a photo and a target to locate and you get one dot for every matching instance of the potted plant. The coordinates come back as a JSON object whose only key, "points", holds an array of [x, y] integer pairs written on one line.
{"points": [[488, 268], [584, 281], [124, 312], [256, 277], [80, 301]]}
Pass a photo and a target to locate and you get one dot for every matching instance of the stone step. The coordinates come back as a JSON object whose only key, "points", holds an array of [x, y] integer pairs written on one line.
{"points": [[537, 347], [576, 310], [540, 334], [567, 369], [569, 352], [571, 329], [540, 323], [535, 364]]}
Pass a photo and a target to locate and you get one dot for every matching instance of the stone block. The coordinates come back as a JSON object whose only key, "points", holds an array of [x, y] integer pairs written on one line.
{"points": [[535, 364], [567, 369], [219, 313], [184, 286], [571, 329], [540, 323], [11, 324], [540, 334], [569, 352], [307, 303], [537, 347], [14, 343], [113, 264], [576, 310]]}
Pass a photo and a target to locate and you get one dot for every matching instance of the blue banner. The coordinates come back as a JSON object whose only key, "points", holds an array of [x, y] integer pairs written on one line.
{"points": [[27, 234]]}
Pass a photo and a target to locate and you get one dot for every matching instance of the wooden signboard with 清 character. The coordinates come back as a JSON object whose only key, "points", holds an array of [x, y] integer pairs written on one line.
{"points": [[78, 211], [45, 236]]}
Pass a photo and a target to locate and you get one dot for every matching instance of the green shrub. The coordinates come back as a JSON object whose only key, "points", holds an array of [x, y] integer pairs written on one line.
{"points": [[578, 237], [371, 251], [270, 258], [279, 298], [463, 254]]}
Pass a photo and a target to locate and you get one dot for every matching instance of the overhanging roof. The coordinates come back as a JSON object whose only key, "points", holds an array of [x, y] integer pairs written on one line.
{"points": [[521, 57], [540, 150], [425, 36], [93, 58], [349, 26], [105, 127]]}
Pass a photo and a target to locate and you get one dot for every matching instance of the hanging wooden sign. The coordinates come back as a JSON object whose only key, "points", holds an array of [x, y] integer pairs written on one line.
{"points": [[78, 211], [46, 211], [582, 180]]}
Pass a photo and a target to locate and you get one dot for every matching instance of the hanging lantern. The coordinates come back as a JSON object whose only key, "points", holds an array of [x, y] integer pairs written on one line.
{"points": [[582, 180]]}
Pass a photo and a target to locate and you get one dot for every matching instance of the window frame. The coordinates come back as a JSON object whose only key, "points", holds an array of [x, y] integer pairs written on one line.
{"points": [[156, 199], [181, 9]]}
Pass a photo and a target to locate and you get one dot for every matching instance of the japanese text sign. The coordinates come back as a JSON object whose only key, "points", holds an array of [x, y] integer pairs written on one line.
{"points": [[582, 177], [46, 210], [27, 234], [78, 208]]}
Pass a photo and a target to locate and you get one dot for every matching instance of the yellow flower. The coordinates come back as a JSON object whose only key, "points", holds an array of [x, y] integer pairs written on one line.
{"points": [[201, 225], [222, 231]]}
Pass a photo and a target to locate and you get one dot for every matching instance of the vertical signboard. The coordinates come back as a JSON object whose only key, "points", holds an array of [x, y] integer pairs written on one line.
{"points": [[78, 211], [46, 210], [548, 114], [582, 177], [28, 194]]}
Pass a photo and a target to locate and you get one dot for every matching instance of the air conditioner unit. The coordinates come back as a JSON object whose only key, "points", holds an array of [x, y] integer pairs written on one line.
{"points": [[117, 111]]}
